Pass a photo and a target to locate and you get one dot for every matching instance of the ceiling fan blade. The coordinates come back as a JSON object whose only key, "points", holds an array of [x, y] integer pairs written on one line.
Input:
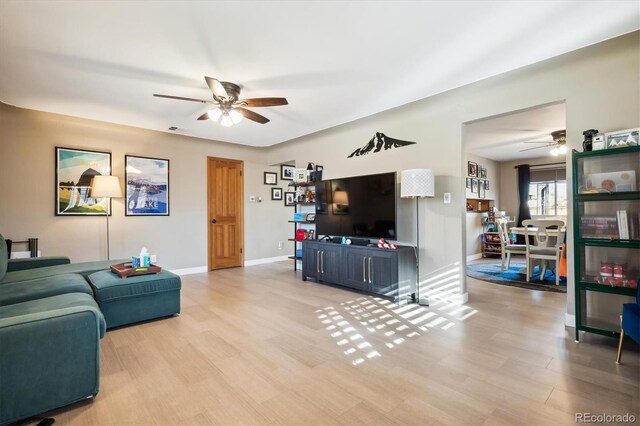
{"points": [[204, 116], [180, 98], [252, 115], [264, 102], [537, 147], [217, 88]]}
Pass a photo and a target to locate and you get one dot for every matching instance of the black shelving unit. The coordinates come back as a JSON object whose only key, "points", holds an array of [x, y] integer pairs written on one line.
{"points": [[297, 245], [590, 251]]}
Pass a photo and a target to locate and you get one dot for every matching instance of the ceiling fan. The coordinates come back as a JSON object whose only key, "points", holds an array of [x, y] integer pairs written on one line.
{"points": [[559, 143], [228, 108]]}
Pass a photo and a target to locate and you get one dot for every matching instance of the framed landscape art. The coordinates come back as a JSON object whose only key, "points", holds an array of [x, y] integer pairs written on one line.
{"points": [[75, 169], [147, 186]]}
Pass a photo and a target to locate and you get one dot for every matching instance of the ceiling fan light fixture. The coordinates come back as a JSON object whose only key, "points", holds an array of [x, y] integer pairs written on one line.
{"points": [[236, 116], [214, 114], [562, 149], [226, 121], [555, 151]]}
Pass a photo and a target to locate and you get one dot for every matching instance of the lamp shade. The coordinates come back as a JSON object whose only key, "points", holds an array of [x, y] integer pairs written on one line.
{"points": [[417, 183], [106, 186], [341, 197]]}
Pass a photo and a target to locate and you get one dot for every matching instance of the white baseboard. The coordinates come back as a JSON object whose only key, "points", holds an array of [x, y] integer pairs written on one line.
{"points": [[570, 320], [189, 271], [23, 254], [474, 257], [265, 260]]}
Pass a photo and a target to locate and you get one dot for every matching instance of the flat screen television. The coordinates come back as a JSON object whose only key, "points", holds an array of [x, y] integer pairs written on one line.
{"points": [[360, 206]]}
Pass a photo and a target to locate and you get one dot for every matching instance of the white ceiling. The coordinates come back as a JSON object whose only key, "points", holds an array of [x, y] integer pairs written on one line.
{"points": [[503, 138], [334, 61]]}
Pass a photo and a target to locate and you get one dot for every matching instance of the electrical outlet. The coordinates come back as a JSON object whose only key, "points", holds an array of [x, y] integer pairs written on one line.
{"points": [[252, 198], [153, 258], [447, 198]]}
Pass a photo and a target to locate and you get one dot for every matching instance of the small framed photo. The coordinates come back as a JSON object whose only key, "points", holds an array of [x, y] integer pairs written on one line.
{"points": [[311, 217], [622, 138], [468, 185], [286, 172], [483, 172], [319, 168], [474, 186], [472, 168], [270, 178], [482, 192], [289, 198], [300, 175], [486, 185], [276, 193]]}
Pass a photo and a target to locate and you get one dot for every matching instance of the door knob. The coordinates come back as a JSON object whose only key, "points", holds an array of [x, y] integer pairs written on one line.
{"points": [[213, 221]]}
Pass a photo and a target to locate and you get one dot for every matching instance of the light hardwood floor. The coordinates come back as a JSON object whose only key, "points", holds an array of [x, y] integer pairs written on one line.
{"points": [[257, 345]]}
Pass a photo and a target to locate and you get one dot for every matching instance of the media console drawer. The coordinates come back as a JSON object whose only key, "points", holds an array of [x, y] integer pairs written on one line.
{"points": [[385, 272]]}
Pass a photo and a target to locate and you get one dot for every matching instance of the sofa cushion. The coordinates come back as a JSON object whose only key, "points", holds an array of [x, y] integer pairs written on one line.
{"points": [[108, 286], [50, 304], [83, 268], [40, 288], [4, 257]]}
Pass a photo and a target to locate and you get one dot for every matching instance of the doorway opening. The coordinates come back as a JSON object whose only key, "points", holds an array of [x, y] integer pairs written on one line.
{"points": [[515, 167], [225, 213]]}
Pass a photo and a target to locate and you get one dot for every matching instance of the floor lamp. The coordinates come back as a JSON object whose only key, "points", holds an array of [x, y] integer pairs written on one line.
{"points": [[106, 187], [417, 183]]}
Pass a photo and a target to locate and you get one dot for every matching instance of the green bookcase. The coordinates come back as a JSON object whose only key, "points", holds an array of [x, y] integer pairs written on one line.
{"points": [[606, 229]]}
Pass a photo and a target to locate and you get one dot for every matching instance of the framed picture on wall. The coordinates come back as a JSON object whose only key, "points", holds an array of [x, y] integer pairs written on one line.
{"points": [[483, 173], [276, 193], [468, 184], [147, 190], [286, 172], [474, 186], [75, 168], [289, 198], [482, 192], [270, 178], [486, 185], [472, 168]]}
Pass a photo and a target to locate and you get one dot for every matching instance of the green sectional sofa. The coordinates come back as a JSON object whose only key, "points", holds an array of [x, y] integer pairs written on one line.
{"points": [[50, 331], [53, 314]]}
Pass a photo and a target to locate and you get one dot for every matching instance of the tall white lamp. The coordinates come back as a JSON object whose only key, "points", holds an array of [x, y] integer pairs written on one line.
{"points": [[106, 187], [417, 183]]}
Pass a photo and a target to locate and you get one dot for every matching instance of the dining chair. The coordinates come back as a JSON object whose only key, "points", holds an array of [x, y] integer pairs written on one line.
{"points": [[545, 244], [506, 248]]}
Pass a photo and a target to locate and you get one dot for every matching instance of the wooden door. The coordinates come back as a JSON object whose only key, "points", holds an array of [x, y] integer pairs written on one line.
{"points": [[225, 213]]}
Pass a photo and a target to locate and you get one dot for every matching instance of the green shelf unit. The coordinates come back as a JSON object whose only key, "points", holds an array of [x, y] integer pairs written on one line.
{"points": [[582, 200]]}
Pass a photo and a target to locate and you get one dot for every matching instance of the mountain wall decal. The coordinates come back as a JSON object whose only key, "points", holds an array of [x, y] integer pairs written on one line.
{"points": [[379, 142]]}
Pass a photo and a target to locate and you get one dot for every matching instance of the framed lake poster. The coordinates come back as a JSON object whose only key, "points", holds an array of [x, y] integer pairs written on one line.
{"points": [[147, 181]]}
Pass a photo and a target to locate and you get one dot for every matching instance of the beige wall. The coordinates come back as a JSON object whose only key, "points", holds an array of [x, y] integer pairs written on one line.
{"points": [[599, 84], [474, 220], [27, 162]]}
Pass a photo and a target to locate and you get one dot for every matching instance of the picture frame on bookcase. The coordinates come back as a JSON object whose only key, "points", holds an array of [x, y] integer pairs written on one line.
{"points": [[289, 199]]}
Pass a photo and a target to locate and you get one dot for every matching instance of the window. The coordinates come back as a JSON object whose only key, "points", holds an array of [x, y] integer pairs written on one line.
{"points": [[548, 191]]}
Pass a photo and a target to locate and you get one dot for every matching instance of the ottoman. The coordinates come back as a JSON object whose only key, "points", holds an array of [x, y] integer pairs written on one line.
{"points": [[142, 297]]}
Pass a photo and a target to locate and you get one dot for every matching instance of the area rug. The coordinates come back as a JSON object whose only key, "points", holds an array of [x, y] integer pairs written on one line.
{"points": [[490, 272]]}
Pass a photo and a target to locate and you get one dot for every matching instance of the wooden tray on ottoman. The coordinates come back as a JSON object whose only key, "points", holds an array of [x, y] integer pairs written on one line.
{"points": [[126, 269]]}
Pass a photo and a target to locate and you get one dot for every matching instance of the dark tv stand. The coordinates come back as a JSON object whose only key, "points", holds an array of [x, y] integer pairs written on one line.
{"points": [[384, 272]]}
